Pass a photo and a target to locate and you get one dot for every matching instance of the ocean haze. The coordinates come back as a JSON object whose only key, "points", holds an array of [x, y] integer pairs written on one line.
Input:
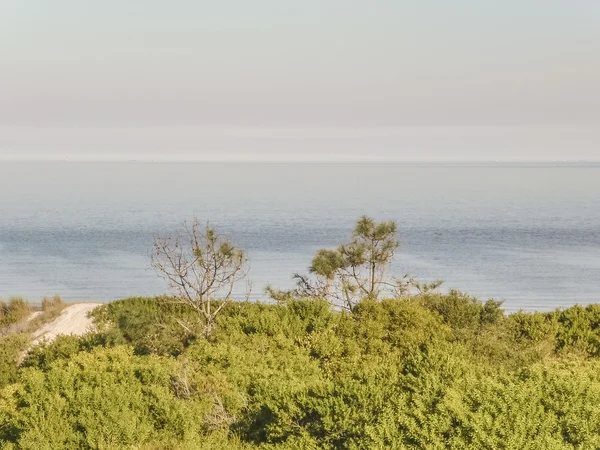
{"points": [[462, 80], [300, 143], [528, 234]]}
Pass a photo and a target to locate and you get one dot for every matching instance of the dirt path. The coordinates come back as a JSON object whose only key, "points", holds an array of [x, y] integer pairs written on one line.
{"points": [[72, 320]]}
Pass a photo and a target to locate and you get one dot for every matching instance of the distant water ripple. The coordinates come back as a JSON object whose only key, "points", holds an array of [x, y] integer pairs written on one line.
{"points": [[529, 235]]}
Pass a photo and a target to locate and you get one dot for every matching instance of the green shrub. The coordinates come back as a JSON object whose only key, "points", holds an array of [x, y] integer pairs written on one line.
{"points": [[108, 398], [579, 329], [151, 325], [534, 327], [432, 371], [464, 314], [44, 354], [11, 348]]}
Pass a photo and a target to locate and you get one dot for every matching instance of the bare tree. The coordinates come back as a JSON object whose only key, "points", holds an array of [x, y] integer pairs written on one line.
{"points": [[408, 286], [202, 269]]}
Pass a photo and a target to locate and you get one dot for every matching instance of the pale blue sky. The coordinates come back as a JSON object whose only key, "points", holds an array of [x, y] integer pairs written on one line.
{"points": [[327, 79]]}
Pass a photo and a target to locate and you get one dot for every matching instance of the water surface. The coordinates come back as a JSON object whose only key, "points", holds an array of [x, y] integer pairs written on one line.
{"points": [[527, 234]]}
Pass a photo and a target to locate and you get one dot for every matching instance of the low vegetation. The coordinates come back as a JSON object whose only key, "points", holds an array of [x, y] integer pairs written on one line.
{"points": [[16, 314], [323, 367], [429, 371], [14, 311], [17, 323]]}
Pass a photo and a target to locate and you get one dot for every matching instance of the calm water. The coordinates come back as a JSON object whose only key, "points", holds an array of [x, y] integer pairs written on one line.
{"points": [[527, 234]]}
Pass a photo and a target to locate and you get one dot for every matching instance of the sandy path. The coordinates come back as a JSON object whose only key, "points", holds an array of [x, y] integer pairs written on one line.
{"points": [[72, 320]]}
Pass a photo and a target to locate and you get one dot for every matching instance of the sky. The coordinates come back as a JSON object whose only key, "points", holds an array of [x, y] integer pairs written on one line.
{"points": [[305, 80]]}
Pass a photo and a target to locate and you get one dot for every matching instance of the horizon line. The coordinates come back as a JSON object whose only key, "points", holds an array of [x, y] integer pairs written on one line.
{"points": [[71, 159]]}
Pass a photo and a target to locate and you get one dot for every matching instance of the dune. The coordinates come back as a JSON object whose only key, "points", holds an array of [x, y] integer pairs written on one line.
{"points": [[73, 320]]}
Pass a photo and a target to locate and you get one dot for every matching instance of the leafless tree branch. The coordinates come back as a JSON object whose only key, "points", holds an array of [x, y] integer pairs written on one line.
{"points": [[204, 269]]}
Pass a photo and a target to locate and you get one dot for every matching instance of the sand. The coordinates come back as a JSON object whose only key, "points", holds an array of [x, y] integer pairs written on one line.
{"points": [[72, 320]]}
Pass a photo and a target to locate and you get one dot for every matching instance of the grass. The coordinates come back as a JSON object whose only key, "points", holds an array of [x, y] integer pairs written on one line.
{"points": [[17, 327], [14, 311], [16, 314]]}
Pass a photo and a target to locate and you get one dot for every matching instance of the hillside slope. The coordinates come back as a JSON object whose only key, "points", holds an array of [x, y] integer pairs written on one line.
{"points": [[73, 320]]}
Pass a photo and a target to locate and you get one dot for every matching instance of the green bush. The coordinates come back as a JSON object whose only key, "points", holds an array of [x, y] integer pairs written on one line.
{"points": [[44, 354], [579, 328], [151, 325], [107, 398], [462, 312], [11, 348], [425, 372]]}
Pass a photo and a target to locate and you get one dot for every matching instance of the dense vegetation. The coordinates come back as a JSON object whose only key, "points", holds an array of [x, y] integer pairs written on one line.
{"points": [[16, 327], [423, 372], [352, 358]]}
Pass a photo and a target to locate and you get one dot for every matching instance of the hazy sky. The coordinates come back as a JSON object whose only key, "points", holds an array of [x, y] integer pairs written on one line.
{"points": [[310, 79]]}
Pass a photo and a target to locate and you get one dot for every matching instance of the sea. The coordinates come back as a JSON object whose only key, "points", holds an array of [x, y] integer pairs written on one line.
{"points": [[524, 233]]}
